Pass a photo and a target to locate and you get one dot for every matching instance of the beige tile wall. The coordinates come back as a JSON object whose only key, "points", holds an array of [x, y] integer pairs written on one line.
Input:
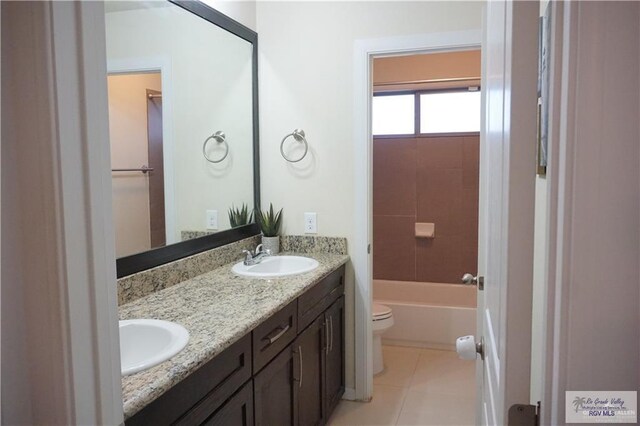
{"points": [[426, 179]]}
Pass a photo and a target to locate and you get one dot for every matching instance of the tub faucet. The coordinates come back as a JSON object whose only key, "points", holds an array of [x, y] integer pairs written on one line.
{"points": [[255, 257]]}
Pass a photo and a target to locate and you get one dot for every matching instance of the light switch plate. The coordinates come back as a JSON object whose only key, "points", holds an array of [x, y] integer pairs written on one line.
{"points": [[212, 219], [310, 223]]}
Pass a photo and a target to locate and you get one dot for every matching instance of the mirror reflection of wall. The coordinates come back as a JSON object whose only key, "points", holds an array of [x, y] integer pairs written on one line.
{"points": [[204, 74], [135, 128]]}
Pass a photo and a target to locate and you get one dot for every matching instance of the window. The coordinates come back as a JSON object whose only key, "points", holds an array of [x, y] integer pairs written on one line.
{"points": [[449, 112], [444, 111], [393, 115]]}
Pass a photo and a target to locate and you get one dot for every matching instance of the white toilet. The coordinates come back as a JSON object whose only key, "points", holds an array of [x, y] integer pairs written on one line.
{"points": [[382, 321]]}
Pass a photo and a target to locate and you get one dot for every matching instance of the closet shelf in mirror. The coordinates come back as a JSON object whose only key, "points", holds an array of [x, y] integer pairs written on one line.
{"points": [[143, 169]]}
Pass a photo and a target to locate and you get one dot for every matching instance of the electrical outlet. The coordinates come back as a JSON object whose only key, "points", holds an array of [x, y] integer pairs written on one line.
{"points": [[310, 223], [212, 219]]}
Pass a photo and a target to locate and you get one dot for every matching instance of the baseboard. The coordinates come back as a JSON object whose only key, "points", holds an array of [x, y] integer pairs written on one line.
{"points": [[349, 394], [414, 344]]}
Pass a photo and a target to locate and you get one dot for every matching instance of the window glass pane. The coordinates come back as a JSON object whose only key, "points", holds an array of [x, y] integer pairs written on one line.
{"points": [[450, 112], [393, 115]]}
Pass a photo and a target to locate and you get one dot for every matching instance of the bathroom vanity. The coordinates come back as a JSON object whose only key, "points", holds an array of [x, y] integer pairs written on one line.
{"points": [[263, 352], [260, 351]]}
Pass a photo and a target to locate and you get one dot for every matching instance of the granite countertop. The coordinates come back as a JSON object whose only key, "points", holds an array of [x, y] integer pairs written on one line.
{"points": [[217, 308]]}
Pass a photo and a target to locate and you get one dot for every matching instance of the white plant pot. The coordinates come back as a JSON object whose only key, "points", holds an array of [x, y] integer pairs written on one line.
{"points": [[271, 243]]}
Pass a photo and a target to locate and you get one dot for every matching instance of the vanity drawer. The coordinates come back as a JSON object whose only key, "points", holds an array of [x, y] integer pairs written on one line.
{"points": [[316, 300], [200, 394], [273, 335]]}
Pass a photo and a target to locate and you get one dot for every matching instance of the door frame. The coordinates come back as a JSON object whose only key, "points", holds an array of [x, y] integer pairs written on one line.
{"points": [[163, 66], [364, 52], [68, 293]]}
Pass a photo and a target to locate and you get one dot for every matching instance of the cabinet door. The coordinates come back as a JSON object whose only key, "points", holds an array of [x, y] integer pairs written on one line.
{"points": [[275, 391], [237, 411], [309, 348], [334, 319]]}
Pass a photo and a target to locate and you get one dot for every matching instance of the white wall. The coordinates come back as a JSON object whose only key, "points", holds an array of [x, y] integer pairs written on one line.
{"points": [[243, 11], [16, 404], [605, 222], [306, 81], [208, 89], [595, 184]]}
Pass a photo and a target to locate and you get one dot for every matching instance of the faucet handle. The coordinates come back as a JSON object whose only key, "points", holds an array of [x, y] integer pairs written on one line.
{"points": [[247, 254]]}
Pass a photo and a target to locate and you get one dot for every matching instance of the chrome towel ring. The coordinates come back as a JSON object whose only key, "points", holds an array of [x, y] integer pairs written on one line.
{"points": [[298, 135], [219, 137]]}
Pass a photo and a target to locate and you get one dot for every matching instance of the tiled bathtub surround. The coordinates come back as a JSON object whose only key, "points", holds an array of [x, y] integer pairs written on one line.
{"points": [[425, 180], [313, 244], [143, 283], [217, 308]]}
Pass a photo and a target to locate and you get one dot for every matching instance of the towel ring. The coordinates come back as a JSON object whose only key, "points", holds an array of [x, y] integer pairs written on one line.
{"points": [[298, 135], [219, 137]]}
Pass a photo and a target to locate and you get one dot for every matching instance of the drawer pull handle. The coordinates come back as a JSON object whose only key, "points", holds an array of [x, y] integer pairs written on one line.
{"points": [[300, 356], [278, 335], [331, 339]]}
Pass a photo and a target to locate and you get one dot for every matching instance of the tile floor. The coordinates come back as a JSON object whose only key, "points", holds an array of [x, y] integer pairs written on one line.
{"points": [[417, 387]]}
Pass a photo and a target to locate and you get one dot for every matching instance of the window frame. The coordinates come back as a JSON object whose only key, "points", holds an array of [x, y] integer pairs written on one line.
{"points": [[416, 112]]}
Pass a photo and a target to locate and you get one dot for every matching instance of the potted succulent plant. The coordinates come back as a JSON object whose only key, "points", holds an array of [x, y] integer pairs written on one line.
{"points": [[270, 222], [240, 216]]}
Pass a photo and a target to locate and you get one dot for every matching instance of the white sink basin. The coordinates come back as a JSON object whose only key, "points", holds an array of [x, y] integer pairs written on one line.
{"points": [[276, 266], [147, 342]]}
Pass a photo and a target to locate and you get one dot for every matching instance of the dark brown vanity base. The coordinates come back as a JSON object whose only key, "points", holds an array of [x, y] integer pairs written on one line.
{"points": [[288, 371]]}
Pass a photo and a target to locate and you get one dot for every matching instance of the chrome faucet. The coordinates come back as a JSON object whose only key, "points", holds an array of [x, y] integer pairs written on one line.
{"points": [[255, 257]]}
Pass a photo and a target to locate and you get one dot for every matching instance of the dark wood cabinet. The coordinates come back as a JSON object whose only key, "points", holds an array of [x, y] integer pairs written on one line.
{"points": [[202, 393], [310, 350], [288, 371], [334, 365], [318, 298], [303, 385], [275, 393], [274, 334], [237, 411]]}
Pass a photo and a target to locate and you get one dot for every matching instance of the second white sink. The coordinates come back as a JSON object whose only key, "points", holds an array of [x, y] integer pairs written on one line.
{"points": [[276, 266], [148, 342]]}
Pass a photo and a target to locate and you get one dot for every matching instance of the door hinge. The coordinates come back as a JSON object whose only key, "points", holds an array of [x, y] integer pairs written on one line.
{"points": [[368, 248], [524, 415]]}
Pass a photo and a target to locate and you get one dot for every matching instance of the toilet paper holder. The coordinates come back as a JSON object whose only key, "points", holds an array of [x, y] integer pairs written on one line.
{"points": [[468, 348]]}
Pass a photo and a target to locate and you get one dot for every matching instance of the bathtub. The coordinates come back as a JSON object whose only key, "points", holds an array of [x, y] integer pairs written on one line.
{"points": [[429, 315]]}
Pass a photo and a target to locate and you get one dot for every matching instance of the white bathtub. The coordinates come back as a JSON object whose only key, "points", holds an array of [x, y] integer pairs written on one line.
{"points": [[430, 315]]}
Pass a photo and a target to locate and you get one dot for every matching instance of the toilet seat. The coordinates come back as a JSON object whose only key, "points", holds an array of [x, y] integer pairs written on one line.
{"points": [[381, 312]]}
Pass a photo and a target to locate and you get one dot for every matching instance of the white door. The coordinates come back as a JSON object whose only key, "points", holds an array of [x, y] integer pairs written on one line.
{"points": [[507, 178]]}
